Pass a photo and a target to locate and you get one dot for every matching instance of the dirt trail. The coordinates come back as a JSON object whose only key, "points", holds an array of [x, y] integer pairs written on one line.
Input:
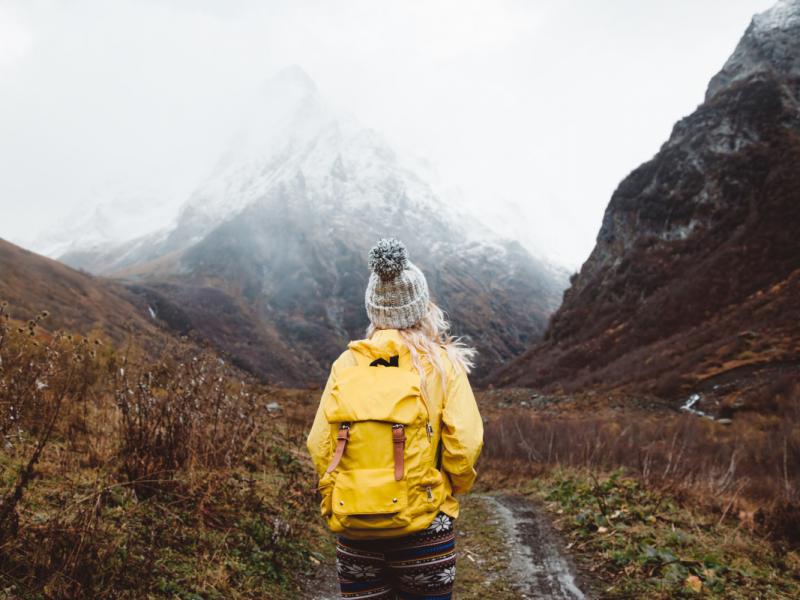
{"points": [[326, 585], [538, 567]]}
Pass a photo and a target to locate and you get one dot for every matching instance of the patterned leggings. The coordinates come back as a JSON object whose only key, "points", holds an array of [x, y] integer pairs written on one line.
{"points": [[416, 566]]}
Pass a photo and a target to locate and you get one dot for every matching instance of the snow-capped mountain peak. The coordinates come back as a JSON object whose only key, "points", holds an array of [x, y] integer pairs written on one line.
{"points": [[269, 251], [769, 48], [784, 15], [292, 134]]}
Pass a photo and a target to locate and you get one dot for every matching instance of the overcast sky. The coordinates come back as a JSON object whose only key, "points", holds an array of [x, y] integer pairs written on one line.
{"points": [[543, 105]]}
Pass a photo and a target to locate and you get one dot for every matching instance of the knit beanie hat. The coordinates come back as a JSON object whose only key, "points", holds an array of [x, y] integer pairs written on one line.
{"points": [[397, 293]]}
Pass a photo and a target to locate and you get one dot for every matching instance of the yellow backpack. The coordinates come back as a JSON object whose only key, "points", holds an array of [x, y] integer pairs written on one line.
{"points": [[383, 476]]}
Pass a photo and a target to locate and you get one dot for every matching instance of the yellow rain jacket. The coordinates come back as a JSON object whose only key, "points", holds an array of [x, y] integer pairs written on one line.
{"points": [[454, 419]]}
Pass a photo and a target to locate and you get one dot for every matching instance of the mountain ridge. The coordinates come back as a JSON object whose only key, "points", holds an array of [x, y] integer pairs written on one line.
{"points": [[270, 249], [700, 231]]}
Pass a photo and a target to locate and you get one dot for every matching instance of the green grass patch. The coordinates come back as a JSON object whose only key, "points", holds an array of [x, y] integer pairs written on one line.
{"points": [[482, 563], [641, 543]]}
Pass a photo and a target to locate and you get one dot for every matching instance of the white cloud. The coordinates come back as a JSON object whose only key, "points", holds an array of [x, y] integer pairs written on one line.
{"points": [[546, 104], [16, 39]]}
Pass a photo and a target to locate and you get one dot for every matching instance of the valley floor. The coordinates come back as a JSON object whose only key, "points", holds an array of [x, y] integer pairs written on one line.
{"points": [[650, 502], [506, 550]]}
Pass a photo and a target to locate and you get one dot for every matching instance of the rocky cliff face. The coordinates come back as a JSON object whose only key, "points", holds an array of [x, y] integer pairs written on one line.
{"points": [[267, 259], [693, 237]]}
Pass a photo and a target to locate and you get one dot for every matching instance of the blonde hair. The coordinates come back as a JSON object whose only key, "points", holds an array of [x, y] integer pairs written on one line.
{"points": [[426, 337]]}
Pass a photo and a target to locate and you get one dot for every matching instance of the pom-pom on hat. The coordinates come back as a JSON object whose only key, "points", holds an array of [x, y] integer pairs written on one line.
{"points": [[397, 292]]}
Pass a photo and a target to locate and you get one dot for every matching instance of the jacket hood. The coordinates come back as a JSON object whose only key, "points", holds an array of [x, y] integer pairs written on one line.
{"points": [[383, 344]]}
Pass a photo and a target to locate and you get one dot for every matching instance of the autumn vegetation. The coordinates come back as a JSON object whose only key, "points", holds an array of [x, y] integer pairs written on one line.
{"points": [[751, 464], [659, 503], [127, 475]]}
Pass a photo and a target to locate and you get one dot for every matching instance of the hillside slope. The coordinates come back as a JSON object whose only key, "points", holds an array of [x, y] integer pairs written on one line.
{"points": [[696, 267], [77, 302]]}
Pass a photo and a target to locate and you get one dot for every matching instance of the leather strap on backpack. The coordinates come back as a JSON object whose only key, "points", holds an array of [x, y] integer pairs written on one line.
{"points": [[399, 443], [341, 442]]}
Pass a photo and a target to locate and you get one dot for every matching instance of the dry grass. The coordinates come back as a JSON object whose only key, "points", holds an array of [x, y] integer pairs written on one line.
{"points": [[126, 475], [657, 504], [748, 469]]}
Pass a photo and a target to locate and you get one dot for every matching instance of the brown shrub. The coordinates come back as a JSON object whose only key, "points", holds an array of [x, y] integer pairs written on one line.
{"points": [[37, 374], [754, 459], [186, 409], [86, 434]]}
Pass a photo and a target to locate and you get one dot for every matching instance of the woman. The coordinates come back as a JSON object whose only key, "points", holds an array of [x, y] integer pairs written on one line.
{"points": [[409, 554]]}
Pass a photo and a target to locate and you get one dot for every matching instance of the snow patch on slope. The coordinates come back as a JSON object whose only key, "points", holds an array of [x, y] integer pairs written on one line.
{"points": [[294, 138], [785, 14], [770, 45], [112, 222]]}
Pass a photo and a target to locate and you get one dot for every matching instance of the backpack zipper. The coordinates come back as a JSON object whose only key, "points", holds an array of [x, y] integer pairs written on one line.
{"points": [[430, 493], [429, 429]]}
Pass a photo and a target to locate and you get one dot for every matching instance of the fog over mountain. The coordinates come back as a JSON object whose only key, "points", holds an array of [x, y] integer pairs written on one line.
{"points": [[530, 113], [267, 257]]}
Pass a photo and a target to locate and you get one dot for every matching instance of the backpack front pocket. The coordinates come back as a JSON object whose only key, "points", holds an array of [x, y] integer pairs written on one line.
{"points": [[370, 499], [428, 494]]}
